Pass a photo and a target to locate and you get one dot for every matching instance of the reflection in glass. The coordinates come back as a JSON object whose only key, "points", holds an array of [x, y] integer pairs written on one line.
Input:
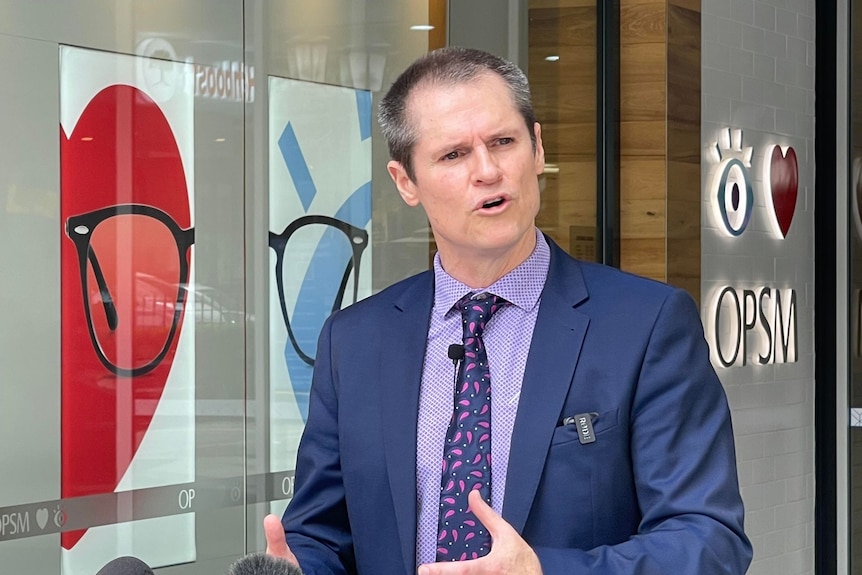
{"points": [[333, 247], [134, 268]]}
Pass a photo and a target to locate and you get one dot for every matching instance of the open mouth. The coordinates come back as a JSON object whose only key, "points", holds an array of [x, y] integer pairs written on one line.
{"points": [[493, 203]]}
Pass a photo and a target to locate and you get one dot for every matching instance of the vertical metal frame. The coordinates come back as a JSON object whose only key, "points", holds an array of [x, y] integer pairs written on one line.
{"points": [[831, 268], [608, 132]]}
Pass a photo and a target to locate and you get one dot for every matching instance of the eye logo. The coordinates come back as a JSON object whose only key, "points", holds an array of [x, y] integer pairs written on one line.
{"points": [[734, 193], [735, 197]]}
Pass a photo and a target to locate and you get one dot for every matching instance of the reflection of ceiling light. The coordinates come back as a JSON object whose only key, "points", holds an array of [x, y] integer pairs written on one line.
{"points": [[553, 58], [87, 139], [219, 139], [422, 27]]}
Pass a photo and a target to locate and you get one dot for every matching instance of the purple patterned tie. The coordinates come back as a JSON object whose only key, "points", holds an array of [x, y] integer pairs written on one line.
{"points": [[467, 452]]}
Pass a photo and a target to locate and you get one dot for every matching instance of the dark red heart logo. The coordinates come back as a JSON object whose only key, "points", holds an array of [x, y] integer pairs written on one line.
{"points": [[784, 183], [121, 151]]}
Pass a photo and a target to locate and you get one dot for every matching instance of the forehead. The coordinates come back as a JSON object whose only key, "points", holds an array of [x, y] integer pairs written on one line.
{"points": [[433, 102]]}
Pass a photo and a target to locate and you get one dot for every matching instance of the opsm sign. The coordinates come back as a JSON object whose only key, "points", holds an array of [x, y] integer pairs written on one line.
{"points": [[753, 324]]}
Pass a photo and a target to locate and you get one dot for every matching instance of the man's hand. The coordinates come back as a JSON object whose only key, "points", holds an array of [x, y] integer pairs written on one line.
{"points": [[509, 554], [276, 545]]}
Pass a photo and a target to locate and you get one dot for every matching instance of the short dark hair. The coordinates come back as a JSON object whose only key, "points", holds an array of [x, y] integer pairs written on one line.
{"points": [[445, 66]]}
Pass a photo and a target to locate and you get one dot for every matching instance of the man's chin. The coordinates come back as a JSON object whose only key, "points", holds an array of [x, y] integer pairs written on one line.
{"points": [[514, 245]]}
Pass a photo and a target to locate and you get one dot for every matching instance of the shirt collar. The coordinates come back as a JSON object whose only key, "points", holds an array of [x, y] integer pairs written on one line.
{"points": [[521, 287]]}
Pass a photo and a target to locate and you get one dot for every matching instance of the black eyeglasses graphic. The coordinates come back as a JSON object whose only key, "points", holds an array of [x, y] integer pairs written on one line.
{"points": [[134, 266], [355, 242]]}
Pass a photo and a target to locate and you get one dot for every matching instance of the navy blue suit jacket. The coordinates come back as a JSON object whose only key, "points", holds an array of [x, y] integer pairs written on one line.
{"points": [[656, 493]]}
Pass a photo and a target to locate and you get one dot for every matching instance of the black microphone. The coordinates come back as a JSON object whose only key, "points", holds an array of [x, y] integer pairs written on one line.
{"points": [[125, 566], [456, 353], [262, 564]]}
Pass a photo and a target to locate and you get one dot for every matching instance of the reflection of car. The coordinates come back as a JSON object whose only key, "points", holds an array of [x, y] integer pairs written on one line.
{"points": [[208, 310], [156, 303]]}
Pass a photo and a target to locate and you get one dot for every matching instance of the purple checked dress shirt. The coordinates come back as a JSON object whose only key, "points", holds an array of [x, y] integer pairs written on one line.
{"points": [[507, 340]]}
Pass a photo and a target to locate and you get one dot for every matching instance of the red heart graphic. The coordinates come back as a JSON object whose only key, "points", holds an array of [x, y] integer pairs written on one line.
{"points": [[784, 182], [121, 151]]}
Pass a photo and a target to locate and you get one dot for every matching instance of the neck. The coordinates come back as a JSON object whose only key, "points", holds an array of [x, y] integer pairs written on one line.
{"points": [[480, 270]]}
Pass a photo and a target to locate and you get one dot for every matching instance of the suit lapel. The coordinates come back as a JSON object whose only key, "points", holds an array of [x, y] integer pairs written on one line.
{"points": [[407, 322], [554, 352]]}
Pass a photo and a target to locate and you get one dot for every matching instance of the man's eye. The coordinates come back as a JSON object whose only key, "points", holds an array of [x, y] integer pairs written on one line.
{"points": [[451, 156], [504, 141]]}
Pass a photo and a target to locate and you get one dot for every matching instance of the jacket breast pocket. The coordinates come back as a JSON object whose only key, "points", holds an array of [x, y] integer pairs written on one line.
{"points": [[568, 509], [602, 422]]}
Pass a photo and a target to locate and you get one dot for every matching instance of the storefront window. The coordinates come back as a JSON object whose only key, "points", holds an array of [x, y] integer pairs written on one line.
{"points": [[187, 191], [198, 186]]}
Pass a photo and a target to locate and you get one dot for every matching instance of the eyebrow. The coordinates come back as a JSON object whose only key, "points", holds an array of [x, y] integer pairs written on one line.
{"points": [[507, 132]]}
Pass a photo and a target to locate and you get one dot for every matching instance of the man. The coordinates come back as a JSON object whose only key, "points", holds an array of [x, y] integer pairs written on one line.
{"points": [[611, 448]]}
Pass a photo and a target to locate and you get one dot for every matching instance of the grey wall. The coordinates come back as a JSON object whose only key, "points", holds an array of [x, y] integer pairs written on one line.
{"points": [[758, 76]]}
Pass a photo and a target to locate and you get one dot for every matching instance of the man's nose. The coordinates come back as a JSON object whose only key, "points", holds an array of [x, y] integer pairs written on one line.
{"points": [[486, 168]]}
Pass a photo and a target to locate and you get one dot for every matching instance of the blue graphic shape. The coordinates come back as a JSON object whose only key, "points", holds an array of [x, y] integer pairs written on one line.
{"points": [[319, 289], [363, 109], [297, 166]]}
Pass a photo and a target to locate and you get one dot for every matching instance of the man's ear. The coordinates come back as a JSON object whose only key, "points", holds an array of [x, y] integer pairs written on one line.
{"points": [[405, 185], [540, 150]]}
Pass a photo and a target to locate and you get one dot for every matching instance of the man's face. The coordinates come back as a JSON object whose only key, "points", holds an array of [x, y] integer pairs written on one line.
{"points": [[475, 170]]}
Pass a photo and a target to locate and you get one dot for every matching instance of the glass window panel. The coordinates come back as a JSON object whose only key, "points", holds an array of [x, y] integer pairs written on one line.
{"points": [[855, 246], [562, 73]]}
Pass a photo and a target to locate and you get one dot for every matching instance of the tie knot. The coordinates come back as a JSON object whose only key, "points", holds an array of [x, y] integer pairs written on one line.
{"points": [[476, 310]]}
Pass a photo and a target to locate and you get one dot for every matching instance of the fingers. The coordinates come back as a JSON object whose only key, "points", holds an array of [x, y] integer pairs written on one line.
{"points": [[495, 524], [448, 568], [510, 553], [276, 544]]}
